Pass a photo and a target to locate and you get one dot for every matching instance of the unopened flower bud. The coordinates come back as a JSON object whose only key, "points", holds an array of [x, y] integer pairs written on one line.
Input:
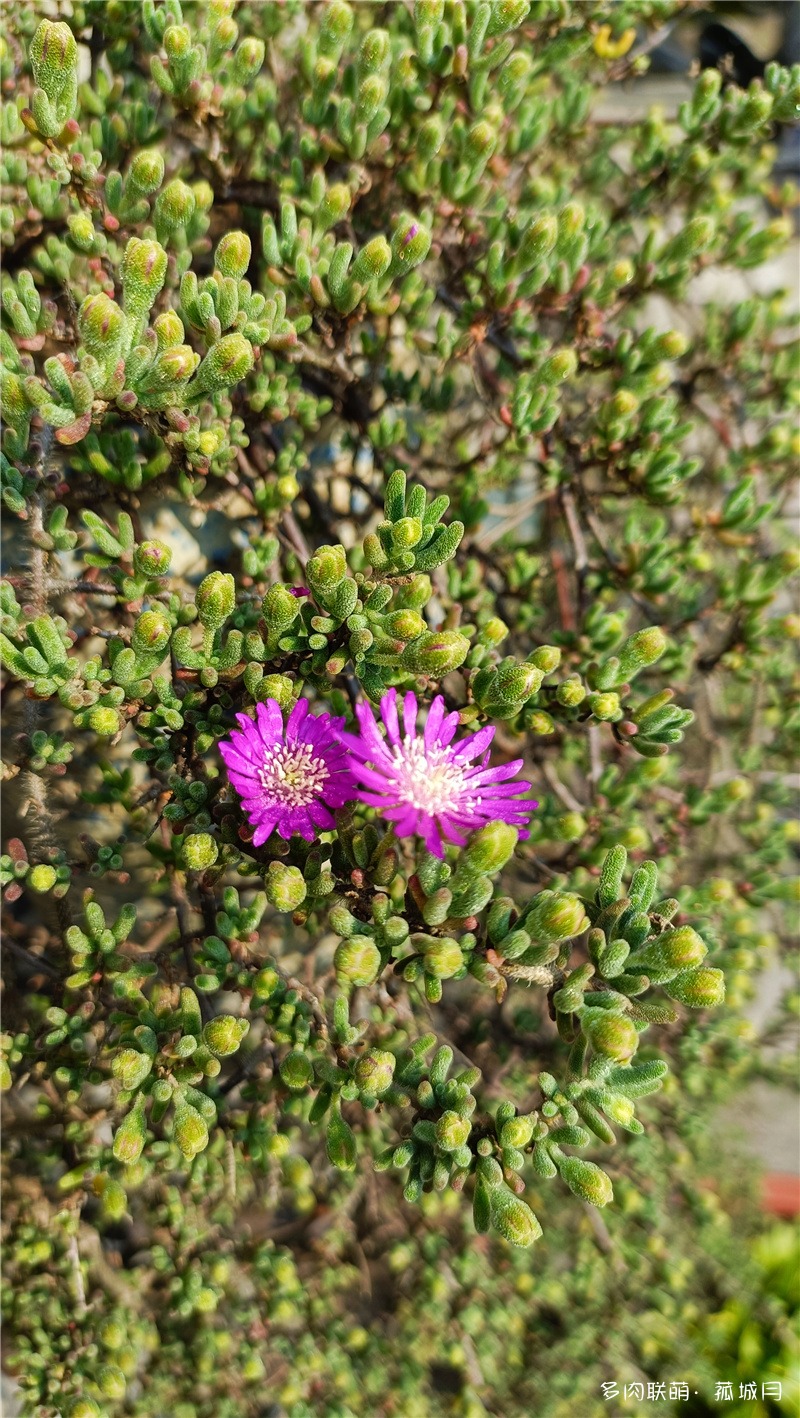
{"points": [[42, 878], [620, 1110], [374, 1071], [285, 886], [104, 720], [224, 1034], [410, 244], [336, 24], [561, 365], [571, 692], [129, 1139], [696, 236], [517, 682], [406, 533], [265, 983], [215, 599], [699, 989], [111, 1381], [443, 957], [569, 827], [83, 1408], [200, 851], [555, 915], [82, 230], [173, 366], [571, 219], [340, 1143], [100, 324], [452, 1131], [113, 1205], [143, 272], [131, 1068], [480, 142], [540, 723], [279, 688], [640, 650], [513, 1218], [203, 195], [674, 950], [146, 171], [279, 609], [335, 205], [53, 55], [671, 345], [546, 658], [233, 254], [228, 361], [494, 632], [418, 592], [191, 1130], [151, 558], [151, 632], [296, 1071], [488, 850], [586, 1180], [373, 261], [357, 961], [404, 625], [177, 41], [248, 60], [326, 568], [605, 707], [374, 51], [623, 405], [517, 1132], [538, 241], [613, 1036], [436, 653], [506, 15]]}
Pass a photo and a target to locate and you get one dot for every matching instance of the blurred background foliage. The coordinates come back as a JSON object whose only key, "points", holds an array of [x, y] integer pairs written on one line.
{"points": [[257, 260]]}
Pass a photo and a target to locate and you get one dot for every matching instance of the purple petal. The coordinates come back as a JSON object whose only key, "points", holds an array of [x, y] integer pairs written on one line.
{"points": [[389, 716], [270, 722], [296, 718], [264, 829], [475, 744], [321, 817], [410, 711], [369, 730], [449, 729], [497, 774], [236, 761], [430, 835], [433, 722]]}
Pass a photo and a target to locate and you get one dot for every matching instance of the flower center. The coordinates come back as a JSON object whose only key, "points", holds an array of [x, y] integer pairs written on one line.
{"points": [[430, 780], [292, 774]]}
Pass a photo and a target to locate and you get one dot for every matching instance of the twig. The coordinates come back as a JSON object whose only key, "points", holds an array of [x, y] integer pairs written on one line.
{"points": [[77, 1275], [35, 961], [560, 789], [579, 545], [295, 536], [36, 807], [595, 759]]}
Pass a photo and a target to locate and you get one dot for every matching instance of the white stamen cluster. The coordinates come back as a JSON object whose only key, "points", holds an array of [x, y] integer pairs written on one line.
{"points": [[431, 781], [293, 775]]}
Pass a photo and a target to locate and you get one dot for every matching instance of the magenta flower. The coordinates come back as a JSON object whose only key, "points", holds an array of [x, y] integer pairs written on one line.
{"points": [[289, 780], [427, 785]]}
